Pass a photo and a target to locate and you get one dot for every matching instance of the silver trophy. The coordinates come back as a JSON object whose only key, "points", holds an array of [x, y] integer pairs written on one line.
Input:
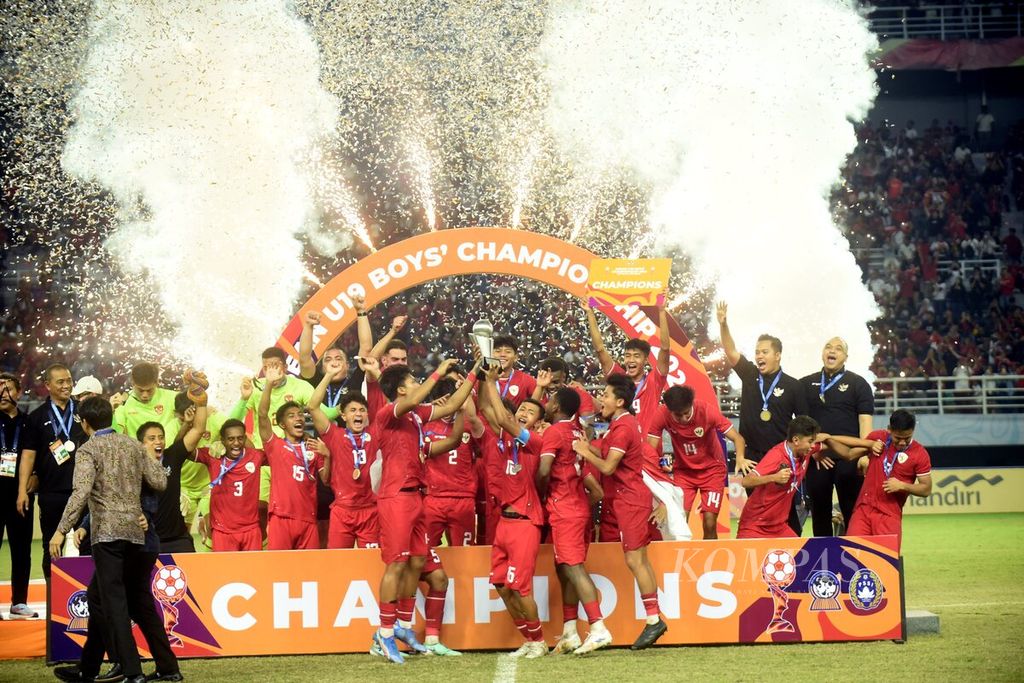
{"points": [[483, 336]]}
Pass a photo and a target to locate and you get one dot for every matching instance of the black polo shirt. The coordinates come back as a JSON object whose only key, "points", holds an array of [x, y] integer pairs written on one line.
{"points": [[847, 398], [169, 522], [785, 402], [12, 427], [43, 430]]}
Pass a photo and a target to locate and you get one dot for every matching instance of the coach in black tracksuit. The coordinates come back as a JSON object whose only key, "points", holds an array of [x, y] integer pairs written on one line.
{"points": [[842, 403]]}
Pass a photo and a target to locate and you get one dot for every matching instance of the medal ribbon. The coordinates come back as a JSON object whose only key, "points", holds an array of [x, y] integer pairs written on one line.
{"points": [[508, 383], [300, 455], [356, 451], [334, 396], [64, 422], [760, 384], [823, 388], [640, 385], [224, 470], [101, 432], [3, 439], [792, 466], [888, 463]]}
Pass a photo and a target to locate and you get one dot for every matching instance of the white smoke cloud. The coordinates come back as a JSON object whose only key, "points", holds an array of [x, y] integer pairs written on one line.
{"points": [[201, 118], [737, 115]]}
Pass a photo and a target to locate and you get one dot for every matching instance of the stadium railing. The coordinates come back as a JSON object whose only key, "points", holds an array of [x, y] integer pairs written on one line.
{"points": [[949, 22]]}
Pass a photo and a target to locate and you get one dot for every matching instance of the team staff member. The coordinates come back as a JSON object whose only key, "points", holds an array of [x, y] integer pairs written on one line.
{"points": [[54, 433], [841, 402], [13, 433], [768, 401]]}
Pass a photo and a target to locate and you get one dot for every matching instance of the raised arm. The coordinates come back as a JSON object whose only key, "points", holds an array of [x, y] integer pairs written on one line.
{"points": [[307, 367], [320, 420], [665, 340], [752, 479], [454, 403], [452, 441], [732, 354], [473, 422], [495, 412], [363, 326], [845, 451], [271, 377], [396, 325], [593, 456], [191, 438], [603, 356]]}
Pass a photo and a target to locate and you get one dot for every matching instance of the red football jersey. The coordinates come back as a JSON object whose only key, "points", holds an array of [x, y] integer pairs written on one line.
{"points": [[516, 487], [907, 466], [351, 452], [566, 495], [234, 500], [491, 459], [449, 474], [517, 387], [648, 396], [586, 401], [695, 444], [400, 441], [769, 504], [293, 472], [375, 398], [624, 435]]}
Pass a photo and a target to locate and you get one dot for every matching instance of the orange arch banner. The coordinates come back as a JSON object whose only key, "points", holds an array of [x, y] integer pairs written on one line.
{"points": [[480, 251]]}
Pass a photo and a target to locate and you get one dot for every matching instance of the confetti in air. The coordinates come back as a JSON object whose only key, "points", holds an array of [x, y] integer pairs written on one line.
{"points": [[195, 116]]}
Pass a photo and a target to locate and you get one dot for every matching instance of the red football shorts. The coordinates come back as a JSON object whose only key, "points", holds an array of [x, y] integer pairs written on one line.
{"points": [[454, 516], [492, 513], [608, 531], [868, 521], [431, 563], [571, 538], [709, 485], [782, 530], [514, 554], [250, 539], [351, 526], [634, 524], [402, 531], [284, 533]]}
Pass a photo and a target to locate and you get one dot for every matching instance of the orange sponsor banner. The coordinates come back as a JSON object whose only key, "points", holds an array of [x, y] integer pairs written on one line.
{"points": [[324, 601], [638, 282], [466, 251]]}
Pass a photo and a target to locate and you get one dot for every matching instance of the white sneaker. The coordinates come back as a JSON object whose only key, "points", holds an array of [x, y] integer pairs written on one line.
{"points": [[566, 644], [537, 649], [594, 641], [523, 650]]}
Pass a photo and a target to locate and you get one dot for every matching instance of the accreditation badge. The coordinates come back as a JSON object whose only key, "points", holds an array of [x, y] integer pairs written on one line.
{"points": [[8, 463], [60, 451]]}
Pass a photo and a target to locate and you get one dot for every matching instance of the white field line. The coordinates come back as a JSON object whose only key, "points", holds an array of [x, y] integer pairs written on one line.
{"points": [[505, 671]]}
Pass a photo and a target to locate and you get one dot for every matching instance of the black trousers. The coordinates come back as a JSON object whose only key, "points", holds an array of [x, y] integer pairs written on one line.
{"points": [[114, 562], [142, 611], [794, 517], [845, 479], [18, 530], [181, 544], [51, 509]]}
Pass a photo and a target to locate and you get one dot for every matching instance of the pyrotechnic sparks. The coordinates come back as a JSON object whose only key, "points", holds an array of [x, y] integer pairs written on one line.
{"points": [[422, 170]]}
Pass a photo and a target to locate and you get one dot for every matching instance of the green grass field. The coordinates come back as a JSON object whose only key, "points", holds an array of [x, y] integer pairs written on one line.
{"points": [[966, 568]]}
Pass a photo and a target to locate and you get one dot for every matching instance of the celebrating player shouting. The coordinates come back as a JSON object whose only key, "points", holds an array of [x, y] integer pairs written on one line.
{"points": [[561, 482], [622, 457], [234, 490], [403, 542]]}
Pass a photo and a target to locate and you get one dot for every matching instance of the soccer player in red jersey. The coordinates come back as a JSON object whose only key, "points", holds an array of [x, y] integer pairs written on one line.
{"points": [[699, 464], [450, 503], [294, 464], [234, 490], [560, 482], [621, 457], [514, 450], [776, 478], [354, 510], [403, 543], [898, 467], [552, 376], [512, 384]]}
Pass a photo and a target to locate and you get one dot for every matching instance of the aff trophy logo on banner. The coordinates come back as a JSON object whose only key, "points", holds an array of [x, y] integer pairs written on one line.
{"points": [[169, 587], [778, 571], [824, 588], [78, 610]]}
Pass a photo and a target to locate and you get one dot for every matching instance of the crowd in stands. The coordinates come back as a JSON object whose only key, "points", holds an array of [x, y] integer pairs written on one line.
{"points": [[923, 211]]}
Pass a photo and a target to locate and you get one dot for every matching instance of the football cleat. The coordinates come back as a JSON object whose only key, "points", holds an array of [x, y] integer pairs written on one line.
{"points": [[441, 650], [408, 636], [649, 636], [566, 644], [594, 641], [389, 647], [521, 652], [536, 649]]}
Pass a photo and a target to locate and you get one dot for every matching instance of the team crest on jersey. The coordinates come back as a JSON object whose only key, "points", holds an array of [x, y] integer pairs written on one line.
{"points": [[779, 391], [514, 390], [866, 590], [366, 437], [843, 387], [698, 432], [465, 437], [250, 467], [902, 457], [159, 410]]}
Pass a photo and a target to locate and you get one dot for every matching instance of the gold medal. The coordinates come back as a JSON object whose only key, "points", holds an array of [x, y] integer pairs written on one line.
{"points": [[766, 416], [356, 474], [70, 446]]}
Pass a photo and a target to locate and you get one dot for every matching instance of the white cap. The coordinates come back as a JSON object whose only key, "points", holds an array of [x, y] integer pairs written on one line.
{"points": [[87, 385]]}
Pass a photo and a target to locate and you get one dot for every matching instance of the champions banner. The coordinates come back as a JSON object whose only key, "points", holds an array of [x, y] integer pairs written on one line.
{"points": [[324, 601], [618, 282], [467, 251]]}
